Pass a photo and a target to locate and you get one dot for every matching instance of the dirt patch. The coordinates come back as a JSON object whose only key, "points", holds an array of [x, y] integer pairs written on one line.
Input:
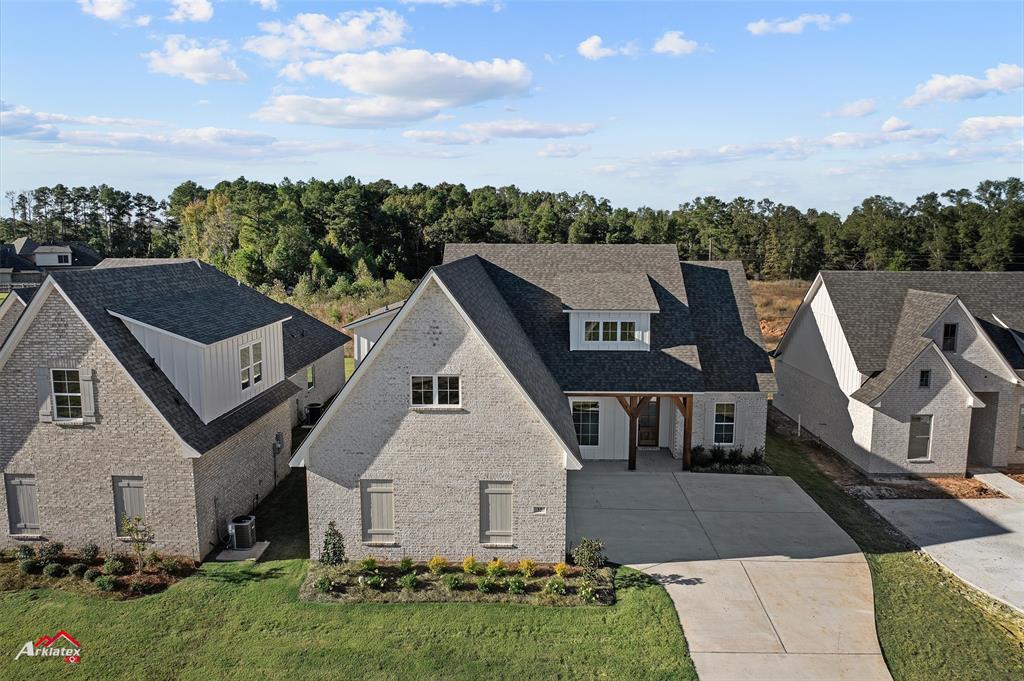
{"points": [[776, 303], [1019, 477]]}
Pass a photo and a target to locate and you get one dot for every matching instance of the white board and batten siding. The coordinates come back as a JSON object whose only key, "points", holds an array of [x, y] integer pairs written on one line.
{"points": [[366, 333], [803, 351], [613, 427], [577, 324], [208, 376]]}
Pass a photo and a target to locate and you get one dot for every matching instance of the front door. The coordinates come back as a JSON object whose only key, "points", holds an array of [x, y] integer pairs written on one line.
{"points": [[647, 424]]}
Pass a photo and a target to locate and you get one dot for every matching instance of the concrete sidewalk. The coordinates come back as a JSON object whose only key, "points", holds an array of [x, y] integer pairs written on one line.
{"points": [[766, 585]]}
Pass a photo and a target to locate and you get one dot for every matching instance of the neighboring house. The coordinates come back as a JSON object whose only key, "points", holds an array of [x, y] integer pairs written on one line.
{"points": [[12, 307], [909, 372], [24, 263], [155, 390], [366, 330], [511, 364]]}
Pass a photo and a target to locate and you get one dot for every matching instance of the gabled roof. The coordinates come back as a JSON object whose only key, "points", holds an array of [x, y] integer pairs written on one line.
{"points": [[606, 290], [389, 309], [24, 247]]}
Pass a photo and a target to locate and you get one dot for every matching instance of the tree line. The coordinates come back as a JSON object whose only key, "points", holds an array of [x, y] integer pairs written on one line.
{"points": [[342, 236]]}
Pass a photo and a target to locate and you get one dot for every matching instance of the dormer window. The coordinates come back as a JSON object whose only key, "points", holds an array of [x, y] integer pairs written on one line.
{"points": [[949, 337], [627, 331], [63, 259], [250, 359], [593, 331], [609, 330]]}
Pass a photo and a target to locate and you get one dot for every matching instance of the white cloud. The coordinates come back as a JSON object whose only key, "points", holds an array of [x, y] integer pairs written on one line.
{"points": [[857, 109], [824, 22], [483, 132], [562, 150], [316, 34], [143, 20], [108, 10], [673, 43], [983, 127], [357, 112], [1000, 79], [185, 58], [191, 10], [593, 48], [893, 124], [269, 5]]}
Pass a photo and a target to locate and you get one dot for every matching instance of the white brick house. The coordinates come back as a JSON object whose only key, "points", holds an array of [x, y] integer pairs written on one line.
{"points": [[511, 364], [916, 373], [163, 390]]}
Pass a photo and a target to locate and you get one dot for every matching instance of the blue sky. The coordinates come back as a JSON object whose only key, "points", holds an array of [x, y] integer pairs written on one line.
{"points": [[814, 104]]}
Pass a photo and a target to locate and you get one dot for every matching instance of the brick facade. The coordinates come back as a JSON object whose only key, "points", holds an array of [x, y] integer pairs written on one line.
{"points": [[329, 377], [9, 317]]}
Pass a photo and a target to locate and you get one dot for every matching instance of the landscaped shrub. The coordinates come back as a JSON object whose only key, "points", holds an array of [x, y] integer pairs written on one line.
{"points": [[495, 568], [408, 581], [172, 566], [452, 581], [139, 537], [756, 455], [50, 551], [323, 583], [587, 591], [562, 569], [470, 566], [91, 574], [153, 559], [333, 551], [78, 570], [117, 564], [368, 564], [89, 553], [554, 587], [140, 585], [700, 456], [29, 566], [24, 552], [486, 585], [717, 454], [735, 455], [376, 581], [516, 585], [106, 582], [589, 555], [53, 570], [527, 568], [437, 565], [405, 565]]}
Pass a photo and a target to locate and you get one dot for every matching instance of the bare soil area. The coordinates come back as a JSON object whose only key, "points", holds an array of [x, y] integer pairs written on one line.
{"points": [[776, 302]]}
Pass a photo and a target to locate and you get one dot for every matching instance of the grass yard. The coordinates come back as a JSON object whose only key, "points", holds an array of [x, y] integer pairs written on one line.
{"points": [[231, 621], [350, 366], [931, 625]]}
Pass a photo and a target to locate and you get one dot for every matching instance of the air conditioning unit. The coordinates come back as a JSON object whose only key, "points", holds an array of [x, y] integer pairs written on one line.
{"points": [[242, 532]]}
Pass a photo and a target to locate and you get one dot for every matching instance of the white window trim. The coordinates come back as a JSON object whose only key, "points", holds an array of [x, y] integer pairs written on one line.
{"points": [[435, 387], [252, 376], [572, 404], [714, 422], [53, 396], [931, 430], [592, 321]]}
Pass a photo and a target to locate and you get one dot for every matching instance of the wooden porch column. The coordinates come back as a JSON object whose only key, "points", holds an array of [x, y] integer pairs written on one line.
{"points": [[632, 405]]}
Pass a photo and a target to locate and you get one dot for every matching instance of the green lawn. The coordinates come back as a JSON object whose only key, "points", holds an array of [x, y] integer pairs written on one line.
{"points": [[350, 366], [931, 626], [233, 622]]}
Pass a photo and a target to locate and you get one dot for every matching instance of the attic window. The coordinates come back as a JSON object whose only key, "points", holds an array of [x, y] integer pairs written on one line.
{"points": [[250, 360], [67, 394], [925, 379], [592, 331], [63, 259], [949, 337]]}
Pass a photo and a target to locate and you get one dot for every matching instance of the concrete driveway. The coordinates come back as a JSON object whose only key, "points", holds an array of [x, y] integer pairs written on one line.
{"points": [[980, 540], [766, 585]]}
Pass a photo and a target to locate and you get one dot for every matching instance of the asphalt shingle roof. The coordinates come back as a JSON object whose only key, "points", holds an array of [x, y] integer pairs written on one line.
{"points": [[94, 291], [606, 290]]}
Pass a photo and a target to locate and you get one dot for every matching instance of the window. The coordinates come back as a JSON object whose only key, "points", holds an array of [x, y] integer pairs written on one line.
{"points": [[920, 438], [128, 501], [310, 377], [67, 394], [378, 501], [627, 331], [22, 509], [725, 424], [63, 259], [926, 378], [592, 331], [586, 418], [609, 331], [496, 513], [949, 337], [250, 358], [441, 391]]}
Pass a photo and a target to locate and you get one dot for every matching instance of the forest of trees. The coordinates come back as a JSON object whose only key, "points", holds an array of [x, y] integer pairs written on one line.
{"points": [[338, 236]]}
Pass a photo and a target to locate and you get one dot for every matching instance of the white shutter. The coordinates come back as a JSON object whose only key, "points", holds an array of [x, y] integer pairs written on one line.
{"points": [[129, 500], [85, 381], [378, 503], [44, 394], [496, 512]]}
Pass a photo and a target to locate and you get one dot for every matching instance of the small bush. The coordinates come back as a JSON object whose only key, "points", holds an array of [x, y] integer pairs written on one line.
{"points": [[323, 584], [78, 570], [50, 551], [140, 585], [117, 564], [55, 570], [408, 581], [700, 456], [452, 581], [405, 565], [376, 581], [333, 551], [152, 560], [516, 585], [589, 555], [587, 591], [486, 585], [368, 564], [756, 455], [89, 553], [495, 569], [91, 574], [554, 587], [717, 454], [172, 566], [470, 566], [527, 568], [106, 582], [29, 566], [437, 565], [735, 455], [24, 552], [562, 569]]}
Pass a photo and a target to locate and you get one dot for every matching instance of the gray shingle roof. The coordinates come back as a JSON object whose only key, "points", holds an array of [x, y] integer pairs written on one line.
{"points": [[606, 290], [25, 294], [476, 294], [107, 263], [390, 307], [94, 291]]}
